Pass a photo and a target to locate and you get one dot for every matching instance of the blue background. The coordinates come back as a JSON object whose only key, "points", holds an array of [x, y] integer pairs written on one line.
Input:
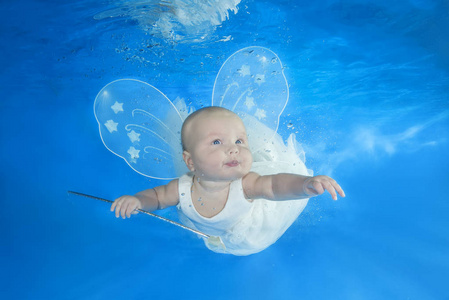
{"points": [[369, 101]]}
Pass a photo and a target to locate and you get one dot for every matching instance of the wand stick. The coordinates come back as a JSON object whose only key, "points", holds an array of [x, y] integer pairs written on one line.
{"points": [[145, 212]]}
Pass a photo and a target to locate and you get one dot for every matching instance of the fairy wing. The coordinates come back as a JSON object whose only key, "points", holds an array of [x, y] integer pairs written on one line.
{"points": [[140, 124], [252, 84]]}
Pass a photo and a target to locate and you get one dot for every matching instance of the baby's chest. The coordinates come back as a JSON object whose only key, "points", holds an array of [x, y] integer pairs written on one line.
{"points": [[208, 206]]}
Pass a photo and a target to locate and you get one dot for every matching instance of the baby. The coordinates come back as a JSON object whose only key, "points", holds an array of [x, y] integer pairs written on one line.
{"points": [[219, 191]]}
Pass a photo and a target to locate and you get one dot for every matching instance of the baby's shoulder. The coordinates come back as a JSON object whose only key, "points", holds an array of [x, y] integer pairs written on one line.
{"points": [[249, 181], [250, 176], [257, 186]]}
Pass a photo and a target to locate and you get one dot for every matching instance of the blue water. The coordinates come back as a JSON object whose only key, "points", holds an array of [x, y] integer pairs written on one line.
{"points": [[369, 101]]}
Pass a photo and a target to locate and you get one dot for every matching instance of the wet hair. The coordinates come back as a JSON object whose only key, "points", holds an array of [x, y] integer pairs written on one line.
{"points": [[192, 116]]}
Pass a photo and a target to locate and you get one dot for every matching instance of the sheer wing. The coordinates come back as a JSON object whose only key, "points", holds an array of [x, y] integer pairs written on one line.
{"points": [[252, 84], [140, 124]]}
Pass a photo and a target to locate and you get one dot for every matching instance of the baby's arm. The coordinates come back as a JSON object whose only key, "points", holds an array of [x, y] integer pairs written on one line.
{"points": [[152, 199], [289, 186]]}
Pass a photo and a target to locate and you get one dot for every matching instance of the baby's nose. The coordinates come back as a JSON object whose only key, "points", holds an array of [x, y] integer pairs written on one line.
{"points": [[233, 150]]}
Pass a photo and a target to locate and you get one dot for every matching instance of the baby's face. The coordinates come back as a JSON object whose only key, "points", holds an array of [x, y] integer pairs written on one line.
{"points": [[218, 147]]}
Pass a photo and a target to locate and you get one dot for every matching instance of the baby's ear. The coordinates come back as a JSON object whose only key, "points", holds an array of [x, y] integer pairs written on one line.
{"points": [[188, 160]]}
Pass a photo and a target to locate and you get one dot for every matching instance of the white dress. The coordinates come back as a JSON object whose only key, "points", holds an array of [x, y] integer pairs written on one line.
{"points": [[250, 227]]}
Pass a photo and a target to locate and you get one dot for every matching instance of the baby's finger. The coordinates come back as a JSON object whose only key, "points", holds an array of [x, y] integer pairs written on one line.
{"points": [[117, 209], [330, 188], [337, 187], [339, 190], [318, 187], [114, 204], [129, 210], [123, 209]]}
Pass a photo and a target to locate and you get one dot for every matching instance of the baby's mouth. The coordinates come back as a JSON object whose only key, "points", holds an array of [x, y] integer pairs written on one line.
{"points": [[232, 163]]}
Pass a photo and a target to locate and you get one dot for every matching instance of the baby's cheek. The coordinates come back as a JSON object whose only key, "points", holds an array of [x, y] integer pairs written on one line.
{"points": [[248, 159], [249, 155]]}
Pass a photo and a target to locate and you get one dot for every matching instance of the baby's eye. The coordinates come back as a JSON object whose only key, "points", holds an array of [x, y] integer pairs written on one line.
{"points": [[216, 142], [239, 142]]}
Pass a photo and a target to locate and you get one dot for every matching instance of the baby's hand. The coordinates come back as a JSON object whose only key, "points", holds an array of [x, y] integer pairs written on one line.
{"points": [[314, 186], [125, 206]]}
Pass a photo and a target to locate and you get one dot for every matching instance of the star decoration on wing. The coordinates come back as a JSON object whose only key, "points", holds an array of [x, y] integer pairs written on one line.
{"points": [[249, 102], [117, 107], [263, 60], [134, 154], [111, 125], [260, 114], [134, 136], [244, 70]]}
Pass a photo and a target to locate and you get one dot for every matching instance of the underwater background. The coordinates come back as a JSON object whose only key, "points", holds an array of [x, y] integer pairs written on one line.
{"points": [[369, 103]]}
